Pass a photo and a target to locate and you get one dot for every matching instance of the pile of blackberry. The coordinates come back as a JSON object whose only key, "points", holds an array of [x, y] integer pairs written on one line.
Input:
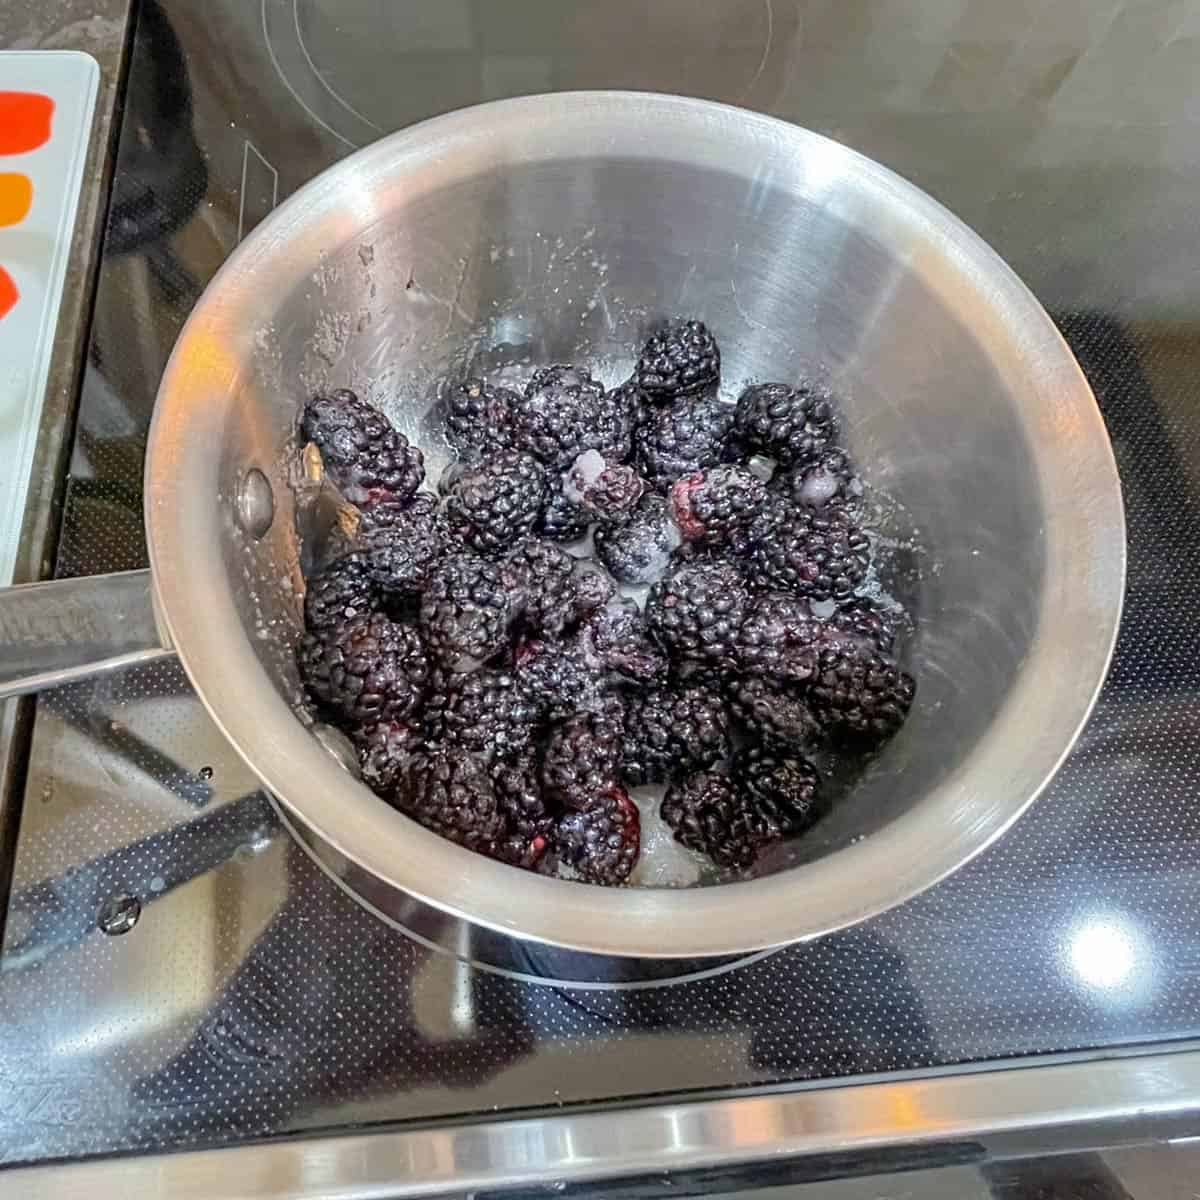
{"points": [[475, 645]]}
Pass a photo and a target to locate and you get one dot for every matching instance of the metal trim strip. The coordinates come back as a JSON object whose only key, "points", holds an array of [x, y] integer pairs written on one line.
{"points": [[999, 1112]]}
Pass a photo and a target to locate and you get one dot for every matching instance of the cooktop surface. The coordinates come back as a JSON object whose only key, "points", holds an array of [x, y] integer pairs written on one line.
{"points": [[176, 971]]}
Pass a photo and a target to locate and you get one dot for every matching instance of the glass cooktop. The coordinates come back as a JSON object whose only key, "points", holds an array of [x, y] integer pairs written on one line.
{"points": [[175, 972]]}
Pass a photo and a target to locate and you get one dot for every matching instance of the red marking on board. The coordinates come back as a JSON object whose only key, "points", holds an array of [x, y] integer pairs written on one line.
{"points": [[24, 121], [8, 293]]}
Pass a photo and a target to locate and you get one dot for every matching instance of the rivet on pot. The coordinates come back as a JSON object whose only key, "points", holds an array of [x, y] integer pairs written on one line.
{"points": [[255, 503], [339, 745]]}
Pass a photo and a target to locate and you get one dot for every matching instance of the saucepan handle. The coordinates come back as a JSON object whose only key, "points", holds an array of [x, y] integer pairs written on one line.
{"points": [[69, 629]]}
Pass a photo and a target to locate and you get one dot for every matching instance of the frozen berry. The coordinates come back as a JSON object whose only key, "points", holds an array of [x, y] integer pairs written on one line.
{"points": [[790, 425], [819, 553], [670, 730], [717, 505], [736, 551], [602, 839], [492, 503], [562, 520], [402, 542], [527, 823], [682, 438], [870, 623], [363, 455], [593, 590], [638, 551], [860, 694], [479, 418], [708, 813], [773, 710], [828, 480], [384, 750], [780, 638], [558, 678], [582, 757], [565, 411], [466, 610], [368, 669], [560, 591], [451, 793], [485, 713], [341, 592], [605, 491], [633, 401], [696, 611], [617, 639], [678, 360], [783, 789]]}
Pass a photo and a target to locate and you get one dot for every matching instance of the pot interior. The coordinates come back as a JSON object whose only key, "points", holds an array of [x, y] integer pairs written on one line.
{"points": [[512, 265]]}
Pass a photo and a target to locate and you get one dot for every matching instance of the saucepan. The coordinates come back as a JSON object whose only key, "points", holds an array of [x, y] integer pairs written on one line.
{"points": [[558, 228]]}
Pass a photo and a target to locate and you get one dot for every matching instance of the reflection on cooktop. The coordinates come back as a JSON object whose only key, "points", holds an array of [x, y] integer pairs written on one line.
{"points": [[364, 68]]}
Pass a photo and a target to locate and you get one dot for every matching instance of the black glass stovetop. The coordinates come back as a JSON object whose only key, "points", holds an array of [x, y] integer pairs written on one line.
{"points": [[251, 998]]}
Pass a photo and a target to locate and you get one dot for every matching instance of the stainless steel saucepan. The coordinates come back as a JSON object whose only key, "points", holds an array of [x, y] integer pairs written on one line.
{"points": [[557, 228]]}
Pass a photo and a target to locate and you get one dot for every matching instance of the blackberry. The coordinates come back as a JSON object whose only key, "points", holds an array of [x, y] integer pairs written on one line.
{"points": [[485, 713], [827, 480], [363, 455], [342, 591], [617, 639], [859, 694], [384, 750], [547, 577], [819, 553], [869, 623], [560, 591], [706, 812], [783, 789], [593, 590], [773, 710], [736, 551], [402, 542], [668, 731], [565, 411], [562, 520], [683, 438], [582, 757], [527, 821], [491, 503], [698, 674], [780, 638], [790, 425], [696, 611], [630, 399], [680, 359], [638, 551], [369, 668], [479, 418], [451, 793], [717, 506], [602, 840], [557, 679], [784, 639], [605, 491], [466, 610]]}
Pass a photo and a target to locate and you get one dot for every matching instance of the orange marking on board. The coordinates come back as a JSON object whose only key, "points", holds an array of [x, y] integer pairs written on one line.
{"points": [[24, 121], [8, 293], [16, 197]]}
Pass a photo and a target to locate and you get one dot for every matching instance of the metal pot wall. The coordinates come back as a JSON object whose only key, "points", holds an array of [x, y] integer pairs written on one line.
{"points": [[558, 227]]}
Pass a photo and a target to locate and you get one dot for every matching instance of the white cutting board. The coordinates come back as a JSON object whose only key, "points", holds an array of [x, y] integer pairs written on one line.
{"points": [[39, 195]]}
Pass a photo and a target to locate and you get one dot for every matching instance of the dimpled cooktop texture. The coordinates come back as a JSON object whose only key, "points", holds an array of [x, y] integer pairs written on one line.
{"points": [[250, 997]]}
